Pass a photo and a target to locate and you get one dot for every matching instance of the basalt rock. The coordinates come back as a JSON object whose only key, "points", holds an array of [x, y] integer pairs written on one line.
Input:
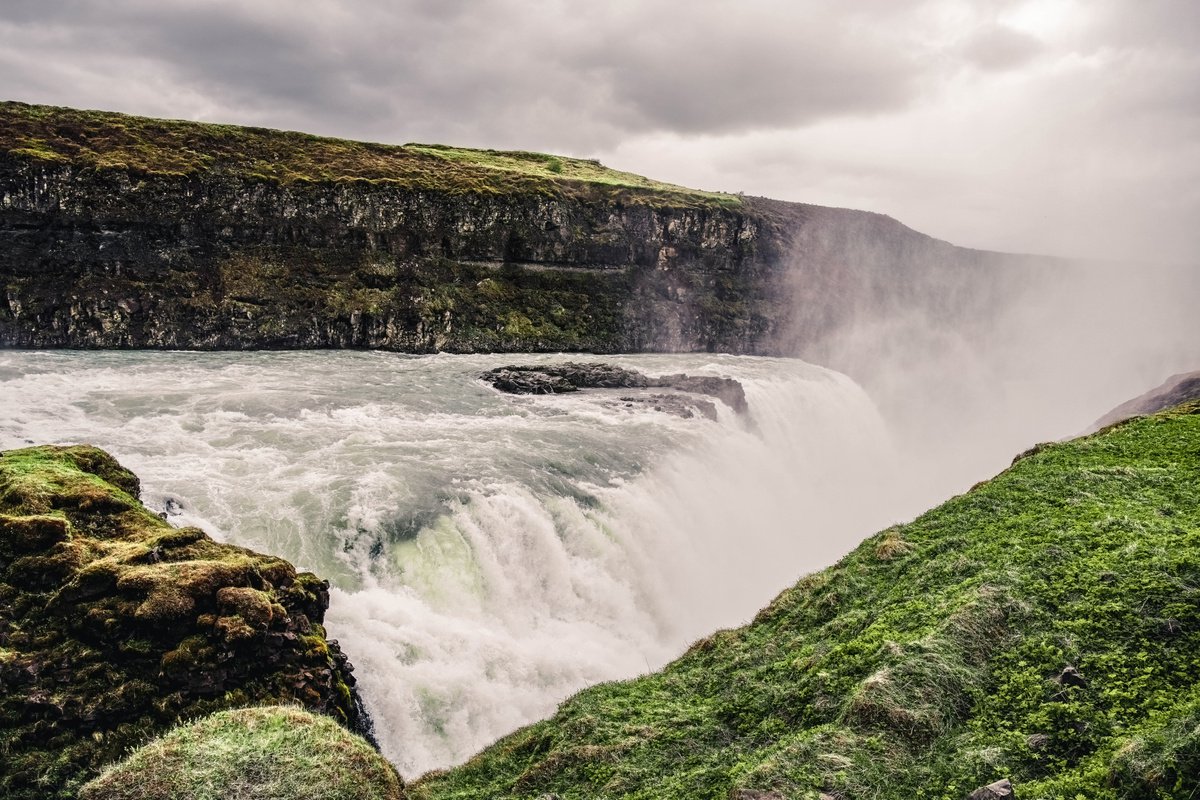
{"points": [[562, 378], [125, 232], [571, 377], [114, 625]]}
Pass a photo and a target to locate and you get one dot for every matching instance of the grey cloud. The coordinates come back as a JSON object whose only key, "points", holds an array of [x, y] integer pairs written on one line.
{"points": [[555, 71], [718, 69], [998, 47], [1111, 101]]}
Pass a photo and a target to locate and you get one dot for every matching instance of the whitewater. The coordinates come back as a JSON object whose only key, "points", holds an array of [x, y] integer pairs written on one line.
{"points": [[490, 554]]}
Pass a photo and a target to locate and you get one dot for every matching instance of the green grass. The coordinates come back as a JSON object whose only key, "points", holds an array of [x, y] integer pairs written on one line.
{"points": [[1044, 627], [269, 753], [105, 140]]}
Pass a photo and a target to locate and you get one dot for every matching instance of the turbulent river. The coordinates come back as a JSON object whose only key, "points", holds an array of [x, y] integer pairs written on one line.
{"points": [[490, 554]]}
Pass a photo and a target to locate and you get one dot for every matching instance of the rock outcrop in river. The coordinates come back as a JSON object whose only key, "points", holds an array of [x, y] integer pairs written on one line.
{"points": [[571, 377]]}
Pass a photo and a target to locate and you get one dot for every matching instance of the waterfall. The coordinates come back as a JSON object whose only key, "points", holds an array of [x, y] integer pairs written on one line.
{"points": [[490, 554]]}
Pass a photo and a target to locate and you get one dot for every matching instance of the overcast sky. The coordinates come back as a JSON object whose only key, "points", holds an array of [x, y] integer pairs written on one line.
{"points": [[1057, 126]]}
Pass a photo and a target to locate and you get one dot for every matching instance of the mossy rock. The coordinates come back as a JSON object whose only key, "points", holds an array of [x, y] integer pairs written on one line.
{"points": [[115, 625], [265, 753]]}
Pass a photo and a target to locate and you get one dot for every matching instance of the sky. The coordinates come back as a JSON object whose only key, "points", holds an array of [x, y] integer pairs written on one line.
{"points": [[1068, 127]]}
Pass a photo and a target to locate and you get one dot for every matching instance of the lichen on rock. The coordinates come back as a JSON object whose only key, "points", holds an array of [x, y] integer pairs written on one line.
{"points": [[114, 625]]}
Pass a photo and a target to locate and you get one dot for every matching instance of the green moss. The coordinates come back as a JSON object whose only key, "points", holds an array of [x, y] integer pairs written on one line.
{"points": [[114, 624], [103, 140], [1044, 627], [274, 753]]}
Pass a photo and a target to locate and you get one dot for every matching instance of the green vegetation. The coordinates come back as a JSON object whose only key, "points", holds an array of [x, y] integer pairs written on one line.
{"points": [[1044, 627], [114, 625], [105, 140], [451, 306], [271, 753]]}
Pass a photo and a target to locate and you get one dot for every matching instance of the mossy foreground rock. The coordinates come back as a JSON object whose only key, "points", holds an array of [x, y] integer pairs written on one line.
{"points": [[271, 753], [1042, 629], [115, 625]]}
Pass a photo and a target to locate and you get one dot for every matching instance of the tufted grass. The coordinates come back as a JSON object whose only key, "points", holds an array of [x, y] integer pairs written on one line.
{"points": [[1043, 627], [266, 753]]}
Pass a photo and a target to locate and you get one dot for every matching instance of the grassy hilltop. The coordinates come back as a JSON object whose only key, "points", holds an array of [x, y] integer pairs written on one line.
{"points": [[102, 139], [1043, 627]]}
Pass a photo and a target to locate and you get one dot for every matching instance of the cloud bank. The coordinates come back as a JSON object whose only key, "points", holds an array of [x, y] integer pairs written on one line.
{"points": [[1032, 125]]}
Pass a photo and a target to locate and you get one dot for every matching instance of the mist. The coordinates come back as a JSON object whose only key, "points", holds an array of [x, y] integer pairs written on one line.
{"points": [[974, 356]]}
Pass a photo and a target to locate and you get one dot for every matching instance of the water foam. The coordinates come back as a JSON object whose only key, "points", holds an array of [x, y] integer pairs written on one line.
{"points": [[491, 555]]}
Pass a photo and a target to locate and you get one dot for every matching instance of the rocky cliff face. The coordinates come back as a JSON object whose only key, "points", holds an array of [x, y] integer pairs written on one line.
{"points": [[125, 232], [111, 259], [114, 626]]}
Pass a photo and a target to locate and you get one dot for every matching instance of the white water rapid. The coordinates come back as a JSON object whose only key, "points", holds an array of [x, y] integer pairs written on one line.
{"points": [[490, 554]]}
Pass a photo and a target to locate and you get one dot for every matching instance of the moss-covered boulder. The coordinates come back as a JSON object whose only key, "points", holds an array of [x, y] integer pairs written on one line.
{"points": [[114, 625], [1040, 631], [267, 753]]}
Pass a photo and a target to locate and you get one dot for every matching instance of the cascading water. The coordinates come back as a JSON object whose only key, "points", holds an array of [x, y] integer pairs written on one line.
{"points": [[491, 554]]}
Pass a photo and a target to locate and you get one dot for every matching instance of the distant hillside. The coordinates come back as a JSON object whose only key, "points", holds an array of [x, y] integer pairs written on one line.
{"points": [[1043, 628], [128, 232], [1173, 391]]}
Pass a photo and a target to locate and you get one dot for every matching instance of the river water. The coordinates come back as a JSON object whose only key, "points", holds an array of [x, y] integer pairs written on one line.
{"points": [[490, 554]]}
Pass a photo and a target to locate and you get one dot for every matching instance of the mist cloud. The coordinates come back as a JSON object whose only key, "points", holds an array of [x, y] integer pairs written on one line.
{"points": [[1047, 125]]}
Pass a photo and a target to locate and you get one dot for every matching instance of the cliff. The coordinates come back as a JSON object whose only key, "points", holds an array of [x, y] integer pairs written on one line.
{"points": [[1039, 634], [1174, 390], [114, 625], [125, 232]]}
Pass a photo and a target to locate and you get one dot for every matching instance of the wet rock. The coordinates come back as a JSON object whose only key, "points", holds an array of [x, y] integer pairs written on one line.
{"points": [[561, 378], [677, 404], [571, 377], [727, 390], [1070, 676]]}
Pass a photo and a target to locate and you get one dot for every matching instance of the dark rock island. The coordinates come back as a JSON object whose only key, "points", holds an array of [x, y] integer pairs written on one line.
{"points": [[571, 377]]}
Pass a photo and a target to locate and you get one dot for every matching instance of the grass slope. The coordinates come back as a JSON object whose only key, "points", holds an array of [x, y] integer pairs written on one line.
{"points": [[106, 140], [1043, 627]]}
